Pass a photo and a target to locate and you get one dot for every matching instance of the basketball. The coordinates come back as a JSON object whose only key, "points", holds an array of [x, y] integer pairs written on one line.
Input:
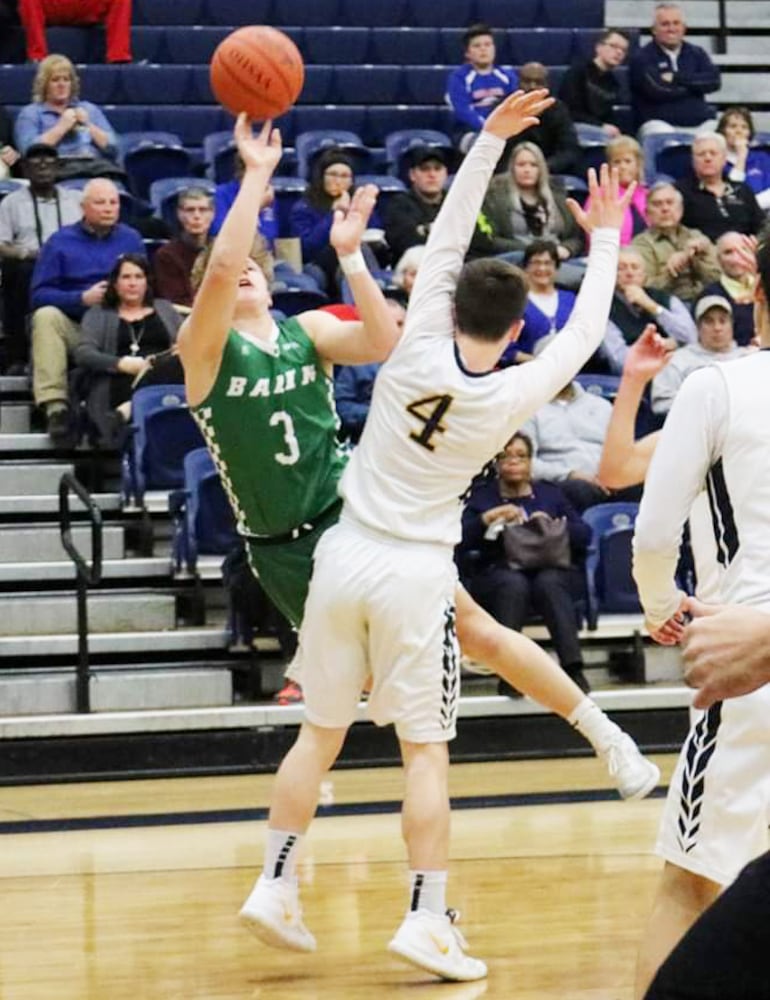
{"points": [[258, 70]]}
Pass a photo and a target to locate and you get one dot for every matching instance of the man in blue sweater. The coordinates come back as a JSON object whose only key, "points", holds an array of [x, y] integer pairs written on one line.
{"points": [[477, 87], [669, 78], [69, 276]]}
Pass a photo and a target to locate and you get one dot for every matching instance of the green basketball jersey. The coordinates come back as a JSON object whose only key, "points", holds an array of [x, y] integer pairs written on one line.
{"points": [[270, 425]]}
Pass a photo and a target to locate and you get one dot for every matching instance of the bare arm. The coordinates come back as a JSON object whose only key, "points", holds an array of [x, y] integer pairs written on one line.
{"points": [[203, 336], [625, 460]]}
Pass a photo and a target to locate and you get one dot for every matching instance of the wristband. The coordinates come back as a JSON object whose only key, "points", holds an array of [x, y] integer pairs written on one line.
{"points": [[353, 263]]}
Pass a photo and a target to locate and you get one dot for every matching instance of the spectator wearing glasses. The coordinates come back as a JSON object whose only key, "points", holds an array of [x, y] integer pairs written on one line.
{"points": [[173, 262], [591, 89]]}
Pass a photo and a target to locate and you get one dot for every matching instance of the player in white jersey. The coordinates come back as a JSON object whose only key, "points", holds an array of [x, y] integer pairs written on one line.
{"points": [[718, 808], [382, 594]]}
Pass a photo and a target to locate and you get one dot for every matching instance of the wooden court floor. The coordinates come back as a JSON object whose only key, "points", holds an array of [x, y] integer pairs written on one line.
{"points": [[129, 890]]}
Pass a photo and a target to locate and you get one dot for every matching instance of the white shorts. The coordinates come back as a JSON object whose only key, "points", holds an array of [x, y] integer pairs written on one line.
{"points": [[718, 806], [383, 607]]}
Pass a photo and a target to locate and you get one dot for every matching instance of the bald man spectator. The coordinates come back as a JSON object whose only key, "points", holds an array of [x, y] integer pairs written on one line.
{"points": [[114, 14], [592, 89], [410, 214], [70, 275], [737, 283], [677, 260], [173, 262], [670, 78], [711, 203], [556, 135]]}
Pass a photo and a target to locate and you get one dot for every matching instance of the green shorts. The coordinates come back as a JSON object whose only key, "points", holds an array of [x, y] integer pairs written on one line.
{"points": [[284, 570]]}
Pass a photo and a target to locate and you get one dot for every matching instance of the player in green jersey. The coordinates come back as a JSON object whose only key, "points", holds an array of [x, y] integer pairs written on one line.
{"points": [[262, 393]]}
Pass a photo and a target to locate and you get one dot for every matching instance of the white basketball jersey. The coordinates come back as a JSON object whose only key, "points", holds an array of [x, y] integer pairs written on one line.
{"points": [[433, 425]]}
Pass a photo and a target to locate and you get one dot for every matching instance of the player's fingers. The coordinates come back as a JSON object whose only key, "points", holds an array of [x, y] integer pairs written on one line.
{"points": [[628, 195], [706, 697], [577, 212]]}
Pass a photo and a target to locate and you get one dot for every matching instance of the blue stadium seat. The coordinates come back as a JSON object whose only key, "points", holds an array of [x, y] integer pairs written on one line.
{"points": [[319, 86], [203, 518], [164, 192], [675, 160], [610, 585], [405, 46], [16, 84], [584, 42], [309, 13], [80, 45], [169, 12], [550, 46], [310, 144], [399, 144], [387, 184], [509, 13], [369, 84], [382, 121], [593, 145], [287, 191], [292, 301], [148, 44], [374, 15], [450, 44], [573, 14], [555, 76], [654, 144], [605, 386], [150, 156], [170, 85], [200, 85], [191, 122], [195, 45], [102, 84], [219, 150], [338, 44], [452, 13], [426, 84], [574, 187], [162, 433]]}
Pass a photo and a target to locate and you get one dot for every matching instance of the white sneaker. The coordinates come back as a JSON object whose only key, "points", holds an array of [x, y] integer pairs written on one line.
{"points": [[431, 941], [633, 775], [274, 915]]}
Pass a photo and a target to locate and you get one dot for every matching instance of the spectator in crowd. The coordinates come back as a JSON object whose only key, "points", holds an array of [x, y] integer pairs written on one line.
{"points": [[737, 283], [224, 196], [9, 155], [354, 384], [114, 14], [711, 203], [555, 135], [27, 218], [567, 437], [478, 86], [130, 334], [522, 205], [743, 162], [715, 345], [591, 89], [173, 262], [410, 214], [548, 307], [57, 116], [635, 304], [405, 271], [669, 78], [70, 275], [677, 260], [626, 155], [514, 496]]}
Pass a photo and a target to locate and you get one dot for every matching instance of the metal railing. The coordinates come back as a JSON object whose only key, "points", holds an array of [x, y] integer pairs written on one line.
{"points": [[87, 575]]}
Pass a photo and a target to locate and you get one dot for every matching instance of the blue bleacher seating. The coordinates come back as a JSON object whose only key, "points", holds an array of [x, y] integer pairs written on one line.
{"points": [[652, 146], [309, 13], [457, 13], [405, 46], [374, 15], [156, 84], [450, 43], [584, 43], [16, 84], [369, 84], [131, 207], [610, 585], [219, 150], [102, 84], [546, 45], [200, 85], [674, 160], [148, 44], [169, 12], [572, 14], [309, 144], [195, 45], [508, 13], [292, 301], [162, 433], [319, 85], [240, 12], [338, 44], [126, 117], [150, 156], [425, 84], [79, 44], [287, 191], [381, 121], [203, 518], [399, 144], [192, 122], [387, 185], [164, 192], [605, 386]]}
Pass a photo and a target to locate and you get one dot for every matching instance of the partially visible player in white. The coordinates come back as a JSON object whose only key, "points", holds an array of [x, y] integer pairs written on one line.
{"points": [[382, 595], [718, 810]]}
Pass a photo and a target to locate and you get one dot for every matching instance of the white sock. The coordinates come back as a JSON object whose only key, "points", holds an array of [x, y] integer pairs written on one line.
{"points": [[591, 722], [281, 854], [427, 891]]}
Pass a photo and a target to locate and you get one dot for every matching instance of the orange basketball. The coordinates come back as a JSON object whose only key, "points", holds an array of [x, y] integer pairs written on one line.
{"points": [[257, 70]]}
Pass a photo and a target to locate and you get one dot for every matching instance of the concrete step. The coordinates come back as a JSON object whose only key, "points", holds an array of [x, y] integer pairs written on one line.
{"points": [[15, 385], [15, 418], [640, 13], [25, 442], [189, 641], [155, 568], [48, 503], [42, 544], [742, 88], [35, 692], [31, 614], [21, 479]]}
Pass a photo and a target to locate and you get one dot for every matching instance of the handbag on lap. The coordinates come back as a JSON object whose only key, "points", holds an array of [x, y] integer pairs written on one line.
{"points": [[539, 543]]}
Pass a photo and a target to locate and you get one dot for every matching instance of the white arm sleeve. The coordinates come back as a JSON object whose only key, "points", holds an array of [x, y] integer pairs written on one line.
{"points": [[430, 304], [690, 442]]}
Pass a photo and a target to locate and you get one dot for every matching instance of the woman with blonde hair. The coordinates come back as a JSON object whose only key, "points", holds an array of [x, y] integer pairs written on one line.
{"points": [[78, 130], [521, 205], [625, 153]]}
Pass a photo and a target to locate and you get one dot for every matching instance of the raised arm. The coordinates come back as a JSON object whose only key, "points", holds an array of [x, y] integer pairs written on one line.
{"points": [[203, 336], [625, 460]]}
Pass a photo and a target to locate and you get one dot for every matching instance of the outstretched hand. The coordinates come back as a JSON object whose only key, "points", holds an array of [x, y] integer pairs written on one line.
{"points": [[517, 113], [261, 150], [647, 356], [349, 226], [608, 205]]}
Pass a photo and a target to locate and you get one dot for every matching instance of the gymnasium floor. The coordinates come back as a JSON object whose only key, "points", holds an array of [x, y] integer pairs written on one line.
{"points": [[129, 890]]}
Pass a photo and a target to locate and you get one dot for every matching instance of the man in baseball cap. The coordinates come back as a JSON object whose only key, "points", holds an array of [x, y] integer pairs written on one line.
{"points": [[409, 215]]}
